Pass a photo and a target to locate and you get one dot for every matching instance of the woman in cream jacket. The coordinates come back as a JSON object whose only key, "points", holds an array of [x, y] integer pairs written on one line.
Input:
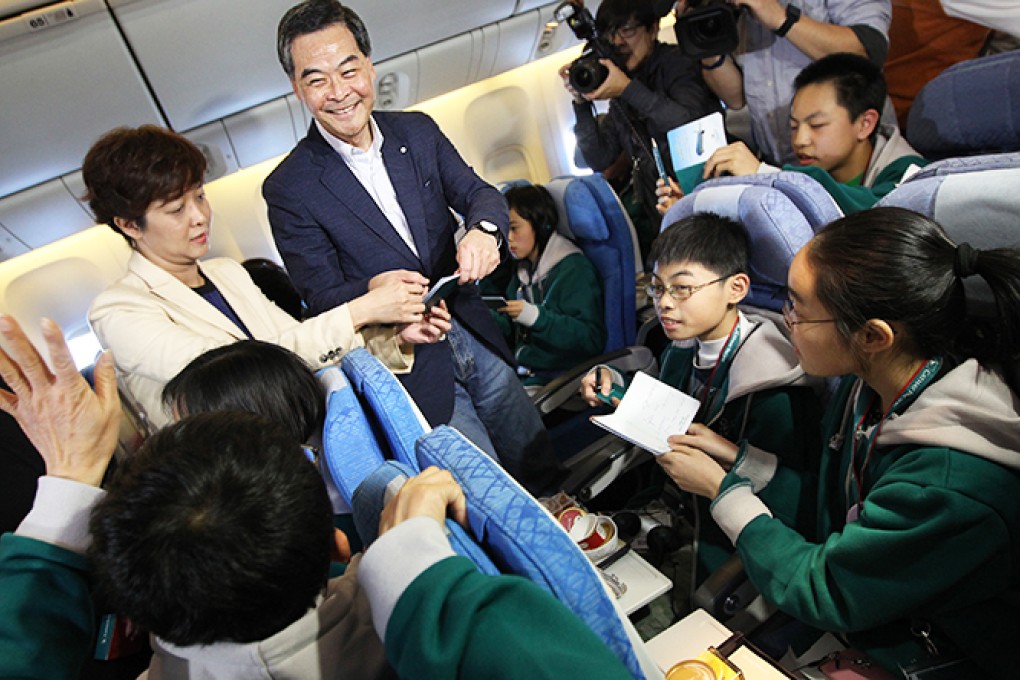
{"points": [[146, 183]]}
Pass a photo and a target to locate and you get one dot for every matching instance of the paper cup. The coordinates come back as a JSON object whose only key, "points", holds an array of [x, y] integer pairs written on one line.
{"points": [[610, 541], [570, 515]]}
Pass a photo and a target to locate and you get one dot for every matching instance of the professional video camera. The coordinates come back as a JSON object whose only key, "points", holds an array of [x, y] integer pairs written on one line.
{"points": [[586, 74], [709, 28]]}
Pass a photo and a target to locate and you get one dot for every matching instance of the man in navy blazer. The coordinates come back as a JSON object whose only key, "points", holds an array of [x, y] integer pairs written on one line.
{"points": [[365, 198]]}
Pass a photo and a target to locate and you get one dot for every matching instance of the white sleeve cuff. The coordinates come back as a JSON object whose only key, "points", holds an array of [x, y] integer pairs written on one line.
{"points": [[395, 560], [614, 375], [764, 169], [529, 315], [756, 466], [734, 509], [60, 513]]}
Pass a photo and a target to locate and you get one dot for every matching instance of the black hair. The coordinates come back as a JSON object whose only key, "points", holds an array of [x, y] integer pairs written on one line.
{"points": [[217, 530], [536, 205], [275, 284], [612, 14], [128, 169], [858, 82], [717, 243], [256, 377], [312, 16], [897, 265]]}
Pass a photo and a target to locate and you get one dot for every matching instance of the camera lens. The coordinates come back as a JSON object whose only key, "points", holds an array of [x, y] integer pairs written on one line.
{"points": [[587, 75], [707, 29]]}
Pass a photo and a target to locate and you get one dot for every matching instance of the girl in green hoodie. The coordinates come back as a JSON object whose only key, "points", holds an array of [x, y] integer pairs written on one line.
{"points": [[915, 552], [554, 317]]}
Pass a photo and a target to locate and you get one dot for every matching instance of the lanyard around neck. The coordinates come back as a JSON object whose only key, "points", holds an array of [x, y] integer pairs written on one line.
{"points": [[729, 350], [914, 385]]}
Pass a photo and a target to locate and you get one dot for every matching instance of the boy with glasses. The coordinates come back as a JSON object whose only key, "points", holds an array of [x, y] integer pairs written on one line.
{"points": [[740, 366]]}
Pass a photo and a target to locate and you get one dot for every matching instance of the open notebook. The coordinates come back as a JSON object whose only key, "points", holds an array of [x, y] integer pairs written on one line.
{"points": [[649, 413]]}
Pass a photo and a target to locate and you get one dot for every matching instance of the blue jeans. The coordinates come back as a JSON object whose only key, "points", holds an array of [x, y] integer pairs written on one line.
{"points": [[492, 409]]}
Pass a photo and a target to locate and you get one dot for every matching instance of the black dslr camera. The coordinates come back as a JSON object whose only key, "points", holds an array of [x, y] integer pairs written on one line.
{"points": [[708, 29], [586, 74]]}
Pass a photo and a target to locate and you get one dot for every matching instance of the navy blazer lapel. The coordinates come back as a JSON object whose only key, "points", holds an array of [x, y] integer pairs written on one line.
{"points": [[403, 174], [338, 180]]}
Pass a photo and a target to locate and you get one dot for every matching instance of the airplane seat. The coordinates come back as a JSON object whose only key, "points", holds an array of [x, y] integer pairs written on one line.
{"points": [[523, 538], [592, 217], [972, 107], [975, 202], [350, 450], [353, 463], [391, 409]]}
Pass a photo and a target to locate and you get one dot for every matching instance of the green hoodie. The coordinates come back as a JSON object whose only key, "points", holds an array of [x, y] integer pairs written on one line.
{"points": [[563, 323], [935, 543]]}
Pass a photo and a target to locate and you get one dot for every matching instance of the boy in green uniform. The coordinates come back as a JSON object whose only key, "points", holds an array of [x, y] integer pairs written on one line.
{"points": [[739, 365], [837, 134]]}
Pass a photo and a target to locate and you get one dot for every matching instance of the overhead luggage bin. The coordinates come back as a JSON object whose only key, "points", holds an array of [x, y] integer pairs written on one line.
{"points": [[228, 62], [67, 77]]}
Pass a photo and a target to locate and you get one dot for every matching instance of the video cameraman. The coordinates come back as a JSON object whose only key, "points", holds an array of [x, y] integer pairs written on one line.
{"points": [[652, 88], [776, 42]]}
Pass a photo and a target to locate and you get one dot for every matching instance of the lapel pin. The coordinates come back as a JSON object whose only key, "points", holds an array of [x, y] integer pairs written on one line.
{"points": [[403, 149]]}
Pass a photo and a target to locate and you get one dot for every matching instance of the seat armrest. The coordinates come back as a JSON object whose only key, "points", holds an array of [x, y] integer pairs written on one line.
{"points": [[726, 591], [629, 359]]}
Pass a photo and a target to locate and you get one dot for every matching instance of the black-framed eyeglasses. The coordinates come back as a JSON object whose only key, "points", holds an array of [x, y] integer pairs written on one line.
{"points": [[627, 31], [791, 319], [679, 293]]}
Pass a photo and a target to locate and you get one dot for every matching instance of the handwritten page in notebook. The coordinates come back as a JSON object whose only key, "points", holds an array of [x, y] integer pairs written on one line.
{"points": [[649, 413]]}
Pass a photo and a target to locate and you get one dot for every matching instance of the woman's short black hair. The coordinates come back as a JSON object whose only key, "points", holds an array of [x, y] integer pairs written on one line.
{"points": [[129, 169]]}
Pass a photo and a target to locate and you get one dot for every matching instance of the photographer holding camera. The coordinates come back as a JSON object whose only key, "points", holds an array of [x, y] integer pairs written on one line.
{"points": [[651, 86], [774, 42]]}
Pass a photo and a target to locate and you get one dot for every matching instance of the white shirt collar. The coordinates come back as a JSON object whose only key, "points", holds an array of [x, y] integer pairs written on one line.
{"points": [[349, 152]]}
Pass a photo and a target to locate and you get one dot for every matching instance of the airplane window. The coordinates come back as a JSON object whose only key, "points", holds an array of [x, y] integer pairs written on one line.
{"points": [[85, 348]]}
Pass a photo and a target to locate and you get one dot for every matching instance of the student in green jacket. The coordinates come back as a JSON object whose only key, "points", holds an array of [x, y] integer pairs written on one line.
{"points": [[836, 133], [914, 553], [554, 317], [217, 533], [738, 364]]}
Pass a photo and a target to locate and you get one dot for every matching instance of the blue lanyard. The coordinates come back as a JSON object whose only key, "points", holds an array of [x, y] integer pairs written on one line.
{"points": [[924, 374], [709, 391]]}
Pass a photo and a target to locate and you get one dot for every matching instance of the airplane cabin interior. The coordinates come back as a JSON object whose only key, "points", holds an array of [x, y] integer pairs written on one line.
{"points": [[487, 73]]}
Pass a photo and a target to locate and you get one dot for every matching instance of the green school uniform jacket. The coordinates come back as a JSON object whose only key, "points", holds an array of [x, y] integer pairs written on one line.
{"points": [[565, 322], [768, 401], [935, 543]]}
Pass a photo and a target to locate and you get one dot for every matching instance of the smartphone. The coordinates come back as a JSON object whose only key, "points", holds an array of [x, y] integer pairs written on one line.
{"points": [[494, 301], [443, 288]]}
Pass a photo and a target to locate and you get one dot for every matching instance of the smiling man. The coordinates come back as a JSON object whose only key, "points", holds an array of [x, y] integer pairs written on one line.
{"points": [[366, 198], [836, 135]]}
